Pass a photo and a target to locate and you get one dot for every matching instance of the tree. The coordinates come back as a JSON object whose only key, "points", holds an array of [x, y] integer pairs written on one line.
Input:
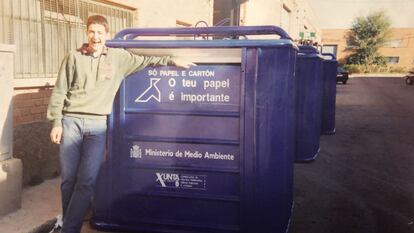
{"points": [[367, 35]]}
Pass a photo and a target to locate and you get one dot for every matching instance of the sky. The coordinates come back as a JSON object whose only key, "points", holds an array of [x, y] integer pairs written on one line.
{"points": [[340, 13]]}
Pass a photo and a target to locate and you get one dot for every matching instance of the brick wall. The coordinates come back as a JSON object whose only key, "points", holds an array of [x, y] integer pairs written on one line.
{"points": [[30, 105], [31, 130]]}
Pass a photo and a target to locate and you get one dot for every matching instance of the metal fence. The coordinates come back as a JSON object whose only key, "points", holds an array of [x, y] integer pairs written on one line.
{"points": [[45, 30]]}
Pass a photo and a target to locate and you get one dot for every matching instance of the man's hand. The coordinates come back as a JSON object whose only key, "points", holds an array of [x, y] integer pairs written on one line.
{"points": [[56, 134], [182, 63]]}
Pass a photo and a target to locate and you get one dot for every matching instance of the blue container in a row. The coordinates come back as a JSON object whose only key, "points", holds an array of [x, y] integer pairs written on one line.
{"points": [[315, 101], [308, 103], [329, 66], [208, 149]]}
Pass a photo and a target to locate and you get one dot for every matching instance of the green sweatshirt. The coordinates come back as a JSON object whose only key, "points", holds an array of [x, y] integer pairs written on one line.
{"points": [[86, 86]]}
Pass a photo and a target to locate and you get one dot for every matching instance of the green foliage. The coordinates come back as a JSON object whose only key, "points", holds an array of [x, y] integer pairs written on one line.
{"points": [[353, 68], [360, 69], [397, 69], [367, 35]]}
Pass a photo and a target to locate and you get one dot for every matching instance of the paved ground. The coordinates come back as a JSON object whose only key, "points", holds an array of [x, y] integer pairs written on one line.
{"points": [[362, 182], [39, 203]]}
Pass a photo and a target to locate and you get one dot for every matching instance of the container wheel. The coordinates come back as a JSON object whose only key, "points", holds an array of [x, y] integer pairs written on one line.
{"points": [[409, 81]]}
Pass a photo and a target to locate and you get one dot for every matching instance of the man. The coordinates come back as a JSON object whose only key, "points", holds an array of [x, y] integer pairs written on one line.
{"points": [[87, 82]]}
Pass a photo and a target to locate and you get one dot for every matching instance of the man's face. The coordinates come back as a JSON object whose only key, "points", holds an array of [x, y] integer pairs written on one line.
{"points": [[97, 36]]}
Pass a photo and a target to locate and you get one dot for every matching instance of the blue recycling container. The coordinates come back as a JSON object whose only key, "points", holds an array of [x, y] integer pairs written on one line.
{"points": [[208, 149], [308, 103], [329, 69]]}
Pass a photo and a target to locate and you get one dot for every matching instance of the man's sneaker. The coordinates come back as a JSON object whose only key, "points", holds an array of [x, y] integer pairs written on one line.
{"points": [[47, 227], [55, 230], [58, 224]]}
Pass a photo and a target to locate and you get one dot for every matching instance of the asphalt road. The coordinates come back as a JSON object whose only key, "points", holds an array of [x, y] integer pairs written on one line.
{"points": [[363, 179]]}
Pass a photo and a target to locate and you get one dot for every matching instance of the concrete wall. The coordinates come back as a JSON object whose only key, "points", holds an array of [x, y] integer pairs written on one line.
{"points": [[10, 185], [271, 12], [10, 168], [261, 12], [309, 20], [6, 113], [161, 13]]}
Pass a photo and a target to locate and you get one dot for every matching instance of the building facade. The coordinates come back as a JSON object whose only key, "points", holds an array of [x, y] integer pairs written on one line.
{"points": [[43, 31], [398, 50], [296, 17], [337, 16]]}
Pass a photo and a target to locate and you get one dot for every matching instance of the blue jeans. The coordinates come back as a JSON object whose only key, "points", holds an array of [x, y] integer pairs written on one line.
{"points": [[81, 155]]}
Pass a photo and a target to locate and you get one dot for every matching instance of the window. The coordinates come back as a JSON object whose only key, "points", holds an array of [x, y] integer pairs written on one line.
{"points": [[226, 12], [393, 44], [330, 49], [45, 30], [393, 60]]}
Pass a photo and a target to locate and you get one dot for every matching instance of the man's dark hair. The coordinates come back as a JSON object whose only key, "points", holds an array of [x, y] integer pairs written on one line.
{"points": [[97, 19]]}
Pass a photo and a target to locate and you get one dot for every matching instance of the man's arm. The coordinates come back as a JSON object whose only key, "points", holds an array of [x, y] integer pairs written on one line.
{"points": [[181, 63], [56, 102], [132, 62]]}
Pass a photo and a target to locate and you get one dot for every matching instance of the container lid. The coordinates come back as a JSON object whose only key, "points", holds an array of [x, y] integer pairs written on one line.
{"points": [[221, 37]]}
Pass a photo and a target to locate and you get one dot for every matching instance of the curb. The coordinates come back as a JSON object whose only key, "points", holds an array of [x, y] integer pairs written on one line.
{"points": [[45, 227], [377, 75]]}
